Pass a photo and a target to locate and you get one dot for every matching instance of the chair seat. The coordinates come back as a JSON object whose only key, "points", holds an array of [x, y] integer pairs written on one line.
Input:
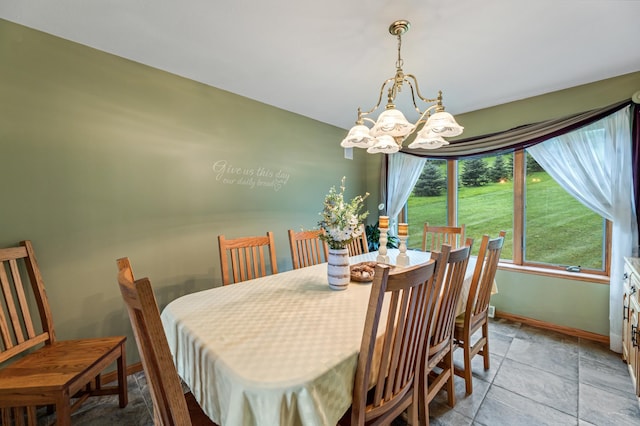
{"points": [[459, 331], [63, 364]]}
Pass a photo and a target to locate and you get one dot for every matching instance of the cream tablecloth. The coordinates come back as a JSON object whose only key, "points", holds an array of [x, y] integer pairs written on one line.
{"points": [[278, 350]]}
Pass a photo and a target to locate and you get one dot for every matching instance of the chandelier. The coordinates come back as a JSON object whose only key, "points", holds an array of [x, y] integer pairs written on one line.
{"points": [[392, 128]]}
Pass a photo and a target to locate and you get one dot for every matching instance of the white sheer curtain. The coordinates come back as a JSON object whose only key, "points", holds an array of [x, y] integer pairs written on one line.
{"points": [[403, 173], [593, 164]]}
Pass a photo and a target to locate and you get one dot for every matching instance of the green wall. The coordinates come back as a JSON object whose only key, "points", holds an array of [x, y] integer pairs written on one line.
{"points": [[102, 157], [575, 304], [548, 106]]}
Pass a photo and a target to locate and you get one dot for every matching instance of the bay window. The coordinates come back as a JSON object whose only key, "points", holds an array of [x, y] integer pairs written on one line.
{"points": [[511, 192]]}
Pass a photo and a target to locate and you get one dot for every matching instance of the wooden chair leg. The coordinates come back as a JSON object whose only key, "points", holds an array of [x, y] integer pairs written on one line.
{"points": [[468, 381], [485, 348], [412, 411], [63, 412], [451, 391], [423, 410], [422, 403], [123, 397]]}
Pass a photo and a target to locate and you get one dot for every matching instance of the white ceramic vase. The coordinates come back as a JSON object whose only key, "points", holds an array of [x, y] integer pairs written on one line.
{"points": [[338, 272]]}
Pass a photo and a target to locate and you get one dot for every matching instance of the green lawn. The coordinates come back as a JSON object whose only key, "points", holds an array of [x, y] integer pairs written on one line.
{"points": [[559, 229]]}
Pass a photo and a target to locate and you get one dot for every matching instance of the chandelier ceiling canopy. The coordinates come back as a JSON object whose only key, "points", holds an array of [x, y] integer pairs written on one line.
{"points": [[391, 129]]}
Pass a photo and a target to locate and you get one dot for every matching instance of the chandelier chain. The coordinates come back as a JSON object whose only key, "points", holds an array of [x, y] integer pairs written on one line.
{"points": [[399, 62]]}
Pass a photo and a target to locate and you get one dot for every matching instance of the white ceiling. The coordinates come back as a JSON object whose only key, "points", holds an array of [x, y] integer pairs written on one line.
{"points": [[323, 59]]}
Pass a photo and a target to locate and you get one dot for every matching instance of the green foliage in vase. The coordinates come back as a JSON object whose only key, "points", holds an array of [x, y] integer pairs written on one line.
{"points": [[341, 220]]}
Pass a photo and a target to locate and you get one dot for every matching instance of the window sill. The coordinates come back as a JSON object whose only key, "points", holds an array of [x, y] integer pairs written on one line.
{"points": [[577, 276]]}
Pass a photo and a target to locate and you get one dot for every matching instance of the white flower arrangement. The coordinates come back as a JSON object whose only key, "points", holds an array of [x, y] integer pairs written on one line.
{"points": [[340, 220]]}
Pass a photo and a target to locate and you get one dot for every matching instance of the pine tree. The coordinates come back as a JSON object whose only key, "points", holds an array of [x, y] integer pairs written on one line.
{"points": [[475, 172], [499, 170], [431, 182]]}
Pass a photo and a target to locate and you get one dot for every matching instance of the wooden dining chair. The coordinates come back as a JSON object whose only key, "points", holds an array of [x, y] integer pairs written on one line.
{"points": [[170, 405], [437, 366], [307, 248], [360, 244], [37, 368], [387, 372], [476, 314], [246, 257], [435, 236]]}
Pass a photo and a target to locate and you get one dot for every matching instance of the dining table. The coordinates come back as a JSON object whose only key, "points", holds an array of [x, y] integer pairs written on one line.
{"points": [[276, 350]]}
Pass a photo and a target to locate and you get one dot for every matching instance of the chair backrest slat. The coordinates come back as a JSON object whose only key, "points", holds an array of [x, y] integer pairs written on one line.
{"points": [[359, 245], [4, 331], [12, 323], [17, 327], [22, 300], [247, 257], [307, 248], [433, 237]]}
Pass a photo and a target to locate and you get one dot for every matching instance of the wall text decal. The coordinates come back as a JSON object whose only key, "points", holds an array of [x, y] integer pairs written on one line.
{"points": [[251, 177]]}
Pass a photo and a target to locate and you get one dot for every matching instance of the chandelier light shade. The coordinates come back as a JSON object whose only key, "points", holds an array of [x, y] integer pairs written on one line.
{"points": [[393, 123], [384, 144], [391, 129], [359, 137], [427, 139]]}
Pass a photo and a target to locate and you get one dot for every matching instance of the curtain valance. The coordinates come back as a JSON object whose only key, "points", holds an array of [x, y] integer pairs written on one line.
{"points": [[519, 137]]}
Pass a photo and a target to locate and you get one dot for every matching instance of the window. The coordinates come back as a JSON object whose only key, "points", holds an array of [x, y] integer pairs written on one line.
{"points": [[546, 227]]}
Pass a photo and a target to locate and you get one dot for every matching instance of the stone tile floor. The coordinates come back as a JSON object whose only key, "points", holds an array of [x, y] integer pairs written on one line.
{"points": [[537, 377]]}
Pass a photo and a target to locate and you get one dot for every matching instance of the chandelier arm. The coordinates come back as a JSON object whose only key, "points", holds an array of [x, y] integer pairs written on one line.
{"points": [[415, 81], [424, 113], [387, 81], [413, 96]]}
